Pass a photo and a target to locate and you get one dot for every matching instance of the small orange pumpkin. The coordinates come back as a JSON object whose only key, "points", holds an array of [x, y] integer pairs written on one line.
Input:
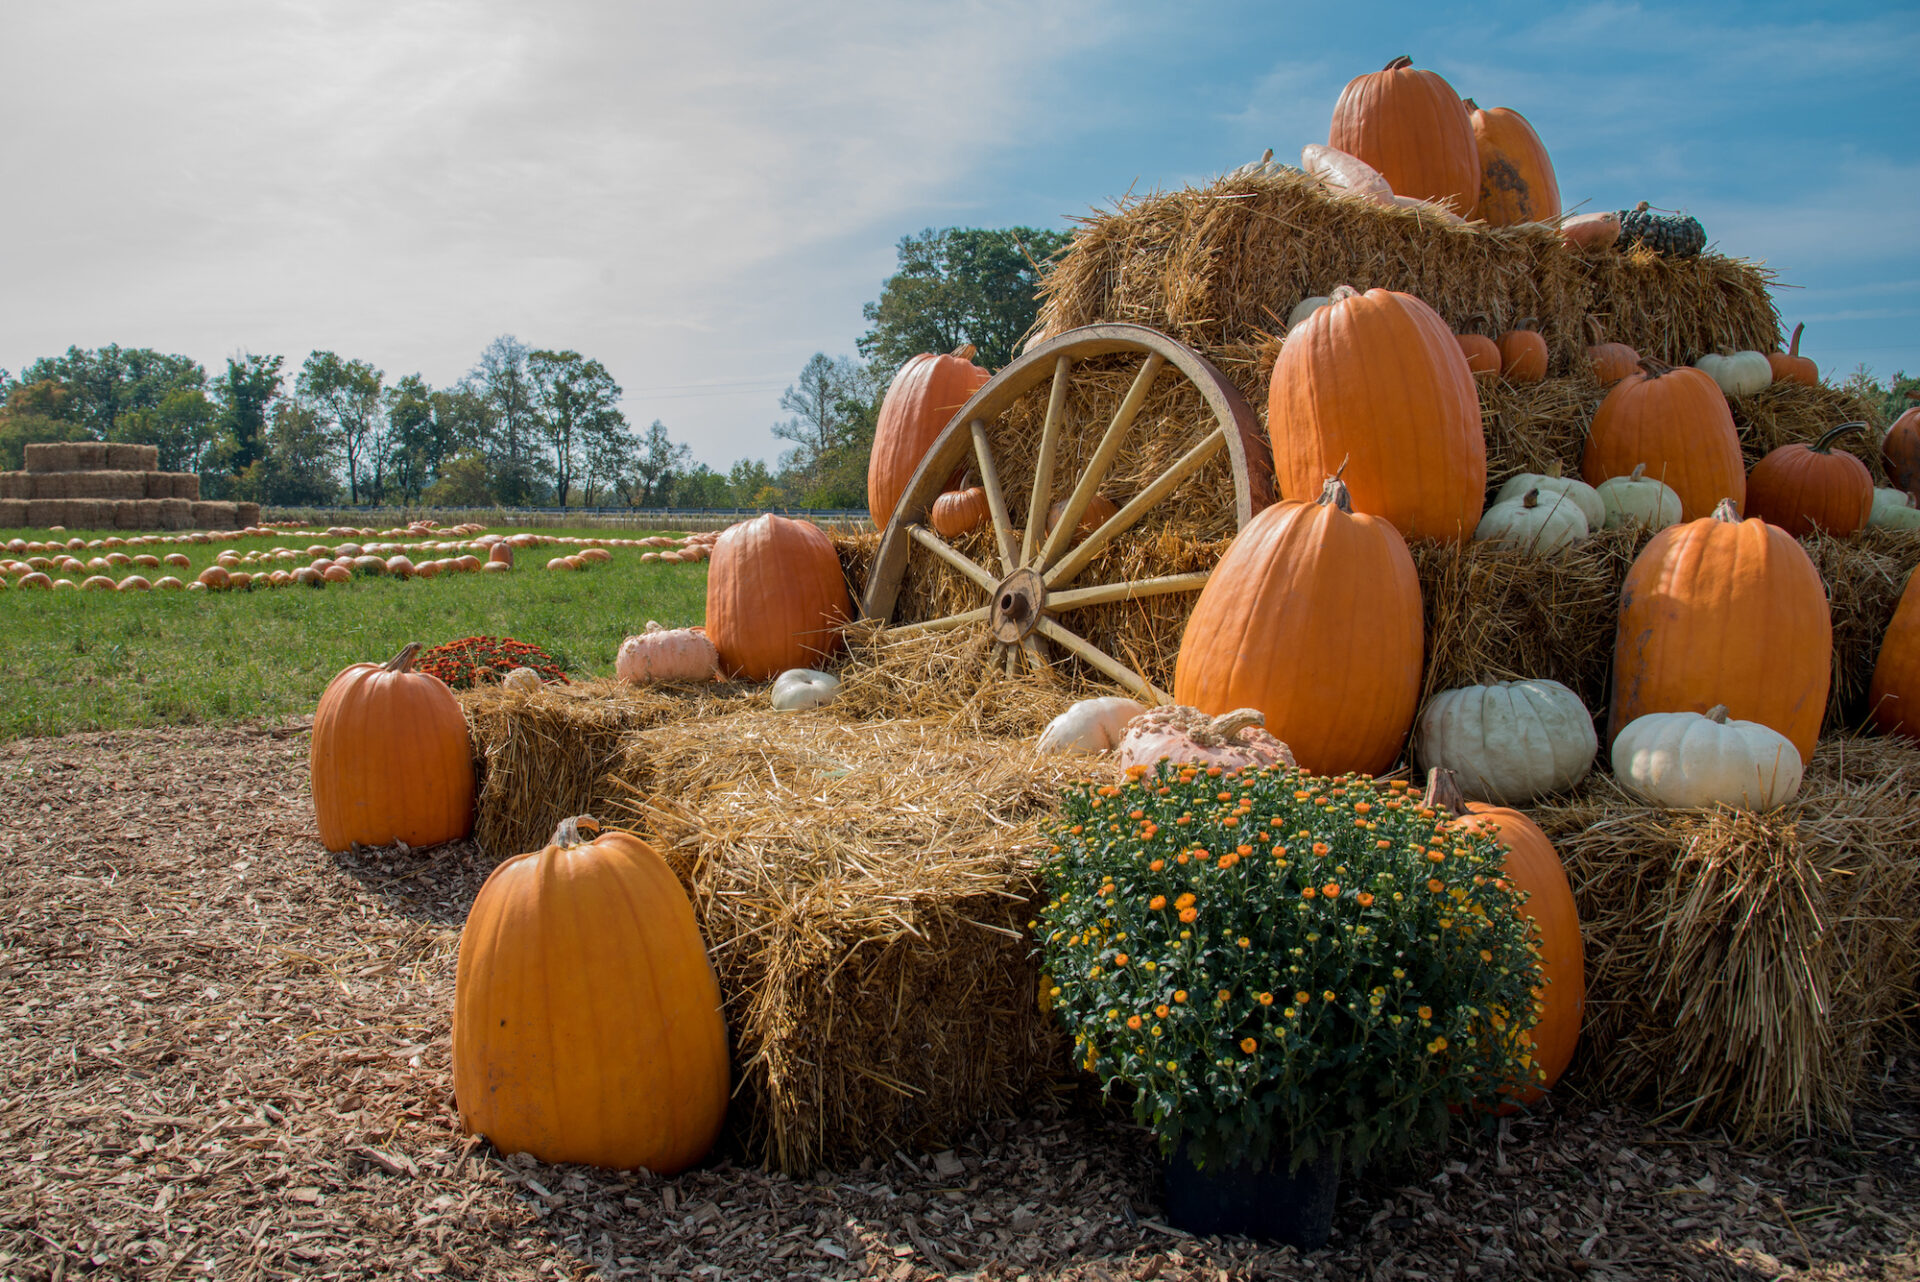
{"points": [[1611, 361], [1590, 231], [1482, 353], [1677, 423], [960, 512], [1099, 508], [1791, 367], [1801, 487], [1523, 353]]}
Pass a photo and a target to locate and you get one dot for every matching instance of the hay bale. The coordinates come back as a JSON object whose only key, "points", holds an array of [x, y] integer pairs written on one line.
{"points": [[101, 485], [1865, 575], [140, 514], [173, 485], [214, 516], [44, 514], [89, 456], [864, 892], [1785, 413], [1678, 309], [1744, 970], [16, 485], [53, 456], [947, 679], [132, 458], [13, 514], [49, 485], [175, 514], [244, 514]]}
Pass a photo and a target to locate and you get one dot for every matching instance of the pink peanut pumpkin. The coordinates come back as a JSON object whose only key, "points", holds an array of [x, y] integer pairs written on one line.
{"points": [[666, 654], [1186, 736]]}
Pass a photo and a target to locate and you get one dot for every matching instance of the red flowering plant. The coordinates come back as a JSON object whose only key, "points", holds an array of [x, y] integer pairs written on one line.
{"points": [[478, 661], [1277, 964]]}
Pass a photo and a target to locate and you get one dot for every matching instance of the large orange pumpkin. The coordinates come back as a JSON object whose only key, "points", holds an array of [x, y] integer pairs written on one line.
{"points": [[1801, 487], [1412, 127], [1893, 699], [1791, 367], [1900, 448], [923, 396], [1675, 421], [586, 1018], [1724, 611], [1313, 617], [389, 758], [1376, 384], [776, 597], [1534, 868], [1516, 175]]}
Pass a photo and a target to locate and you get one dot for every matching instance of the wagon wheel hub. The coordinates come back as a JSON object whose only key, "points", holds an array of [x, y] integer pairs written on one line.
{"points": [[1039, 559], [1017, 606]]}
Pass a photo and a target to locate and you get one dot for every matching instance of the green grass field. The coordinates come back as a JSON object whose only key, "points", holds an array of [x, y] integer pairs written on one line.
{"points": [[108, 660]]}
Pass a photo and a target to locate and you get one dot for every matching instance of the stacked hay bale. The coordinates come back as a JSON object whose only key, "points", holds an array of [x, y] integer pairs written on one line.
{"points": [[99, 485]]}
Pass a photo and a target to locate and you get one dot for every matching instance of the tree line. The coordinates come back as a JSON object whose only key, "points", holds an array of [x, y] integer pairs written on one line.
{"points": [[526, 426]]}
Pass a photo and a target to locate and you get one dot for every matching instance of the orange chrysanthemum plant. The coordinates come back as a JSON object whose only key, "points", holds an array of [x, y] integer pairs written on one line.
{"points": [[1274, 965]]}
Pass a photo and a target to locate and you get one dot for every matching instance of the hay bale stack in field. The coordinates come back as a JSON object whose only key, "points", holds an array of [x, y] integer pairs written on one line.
{"points": [[89, 485], [132, 458], [1745, 969], [173, 485], [113, 486], [54, 456], [13, 514], [16, 485]]}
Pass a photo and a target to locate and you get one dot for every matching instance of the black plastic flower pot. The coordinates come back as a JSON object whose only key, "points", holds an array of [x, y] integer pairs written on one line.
{"points": [[1258, 1202]]}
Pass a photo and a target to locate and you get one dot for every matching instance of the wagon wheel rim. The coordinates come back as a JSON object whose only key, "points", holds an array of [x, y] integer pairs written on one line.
{"points": [[1034, 581]]}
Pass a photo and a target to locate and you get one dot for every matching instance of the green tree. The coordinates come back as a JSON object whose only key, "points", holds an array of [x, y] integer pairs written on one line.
{"points": [[834, 406], [501, 384], [960, 285], [183, 427], [246, 394], [1887, 400], [702, 487], [295, 466], [749, 479], [107, 384], [576, 402], [346, 399], [424, 428], [465, 481], [34, 413], [657, 463]]}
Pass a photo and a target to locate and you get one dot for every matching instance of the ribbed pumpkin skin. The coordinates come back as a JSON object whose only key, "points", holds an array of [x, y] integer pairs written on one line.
{"points": [[1724, 612], [389, 760], [1678, 424], [1313, 617], [1534, 866], [923, 396], [1412, 127], [586, 1018], [1482, 353], [1800, 487], [776, 598], [1893, 699], [1523, 356], [959, 511], [1516, 174], [1376, 383], [1900, 451], [1613, 362]]}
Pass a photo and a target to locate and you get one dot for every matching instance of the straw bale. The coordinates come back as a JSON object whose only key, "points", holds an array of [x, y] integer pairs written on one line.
{"points": [[45, 513], [947, 678], [140, 514], [132, 458], [50, 485], [89, 485], [13, 514], [215, 516], [176, 514], [1495, 612], [1865, 575], [1744, 970], [1678, 309], [244, 514], [16, 485], [1534, 427], [173, 485], [53, 456], [1788, 412], [864, 891]]}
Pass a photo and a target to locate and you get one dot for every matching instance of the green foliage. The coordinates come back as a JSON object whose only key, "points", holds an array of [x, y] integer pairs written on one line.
{"points": [[295, 467], [960, 285], [182, 427], [577, 407], [834, 407], [1268, 958], [105, 385], [1888, 400], [34, 414], [345, 397], [247, 393], [464, 482]]}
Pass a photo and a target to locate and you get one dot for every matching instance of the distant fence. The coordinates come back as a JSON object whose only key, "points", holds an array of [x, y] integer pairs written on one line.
{"points": [[572, 518]]}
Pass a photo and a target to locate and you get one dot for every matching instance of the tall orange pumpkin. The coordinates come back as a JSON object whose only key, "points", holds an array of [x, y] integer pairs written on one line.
{"points": [[586, 1017], [1893, 699], [1516, 175], [1801, 487], [389, 758], [1677, 423], [923, 396], [1534, 868], [1725, 611], [1412, 127], [776, 597], [1791, 367], [1376, 384], [1313, 617]]}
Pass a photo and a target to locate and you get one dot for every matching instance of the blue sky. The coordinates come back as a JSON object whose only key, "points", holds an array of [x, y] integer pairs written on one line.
{"points": [[704, 199]]}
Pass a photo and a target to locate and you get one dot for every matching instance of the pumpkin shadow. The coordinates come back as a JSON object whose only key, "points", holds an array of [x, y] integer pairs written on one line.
{"points": [[433, 885]]}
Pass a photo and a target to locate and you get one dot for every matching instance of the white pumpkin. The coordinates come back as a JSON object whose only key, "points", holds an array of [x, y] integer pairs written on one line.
{"points": [[524, 680], [1507, 742], [1537, 522], [1265, 167], [1739, 374], [1894, 509], [1547, 483], [1089, 726], [667, 654], [1638, 500], [1344, 172], [1305, 308], [798, 689], [1686, 760]]}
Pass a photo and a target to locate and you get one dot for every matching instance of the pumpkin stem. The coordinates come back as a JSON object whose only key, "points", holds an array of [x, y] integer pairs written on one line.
{"points": [[1825, 444], [1341, 293], [1724, 510], [567, 835], [1443, 793], [965, 351], [1334, 493], [1594, 331], [403, 662], [1639, 472], [1527, 322], [1654, 368], [1402, 61], [1470, 104], [1793, 348], [1532, 499], [1228, 725], [1718, 714]]}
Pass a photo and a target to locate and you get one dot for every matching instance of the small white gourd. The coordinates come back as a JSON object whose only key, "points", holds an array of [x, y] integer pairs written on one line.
{"points": [[1687, 760], [1507, 742], [798, 689], [1305, 308], [1547, 483], [1536, 522], [1738, 374], [1088, 727], [1638, 500], [1893, 509]]}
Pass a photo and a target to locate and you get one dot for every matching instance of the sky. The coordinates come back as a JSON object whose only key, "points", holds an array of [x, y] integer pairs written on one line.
{"points": [[703, 196]]}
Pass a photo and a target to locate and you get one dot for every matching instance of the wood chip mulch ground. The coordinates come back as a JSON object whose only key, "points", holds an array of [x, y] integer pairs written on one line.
{"points": [[223, 1052]]}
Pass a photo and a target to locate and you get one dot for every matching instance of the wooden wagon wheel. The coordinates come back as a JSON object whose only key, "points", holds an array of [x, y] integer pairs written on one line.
{"points": [[1033, 584]]}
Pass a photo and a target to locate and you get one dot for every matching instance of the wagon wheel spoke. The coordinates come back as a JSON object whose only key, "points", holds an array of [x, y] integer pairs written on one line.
{"points": [[1143, 502], [958, 560], [1137, 589], [1036, 652], [1093, 654], [1099, 464], [996, 501], [946, 624], [1043, 466]]}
